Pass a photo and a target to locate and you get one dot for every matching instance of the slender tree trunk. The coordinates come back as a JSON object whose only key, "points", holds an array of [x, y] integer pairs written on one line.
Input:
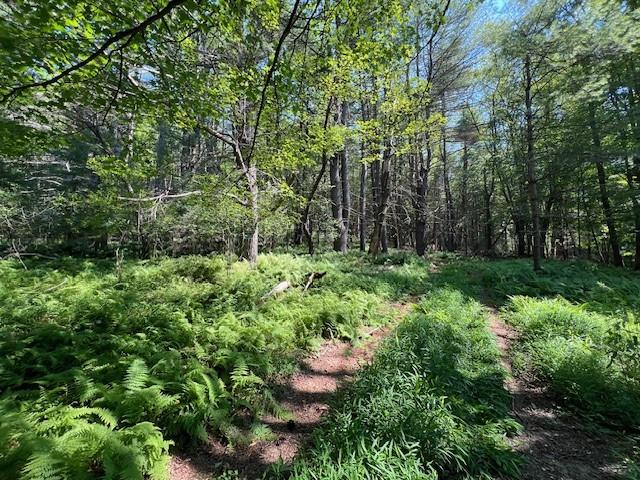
{"points": [[252, 181], [464, 200], [604, 194], [378, 237], [335, 196], [521, 243], [384, 238], [635, 202], [548, 207], [343, 239], [422, 174], [532, 182], [488, 221], [362, 207], [449, 216], [305, 221]]}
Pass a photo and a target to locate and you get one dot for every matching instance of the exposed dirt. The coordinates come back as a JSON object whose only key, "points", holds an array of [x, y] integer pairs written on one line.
{"points": [[305, 395], [555, 444]]}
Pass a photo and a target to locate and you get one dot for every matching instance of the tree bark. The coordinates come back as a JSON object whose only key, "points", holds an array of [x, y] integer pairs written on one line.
{"points": [[635, 202], [362, 207], [252, 182], [343, 237], [532, 182], [378, 237], [604, 194], [488, 221], [422, 175], [449, 216], [464, 200]]}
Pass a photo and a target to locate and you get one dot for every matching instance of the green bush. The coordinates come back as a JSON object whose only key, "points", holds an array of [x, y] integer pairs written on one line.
{"points": [[434, 393]]}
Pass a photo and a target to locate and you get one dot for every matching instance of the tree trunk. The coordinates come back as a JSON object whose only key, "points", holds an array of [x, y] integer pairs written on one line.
{"points": [[548, 208], [362, 207], [335, 197], [252, 181], [488, 221], [449, 217], [422, 174], [635, 202], [378, 237], [532, 185], [464, 200], [343, 238], [521, 243], [305, 221], [604, 195]]}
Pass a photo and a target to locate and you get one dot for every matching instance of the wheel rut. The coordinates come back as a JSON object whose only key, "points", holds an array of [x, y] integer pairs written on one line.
{"points": [[555, 444], [305, 396]]}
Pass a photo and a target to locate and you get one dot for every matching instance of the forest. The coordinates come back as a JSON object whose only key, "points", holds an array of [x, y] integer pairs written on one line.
{"points": [[320, 239]]}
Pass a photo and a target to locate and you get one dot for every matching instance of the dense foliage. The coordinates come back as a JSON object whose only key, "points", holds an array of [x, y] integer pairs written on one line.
{"points": [[495, 127], [101, 364], [165, 163], [105, 365], [590, 360]]}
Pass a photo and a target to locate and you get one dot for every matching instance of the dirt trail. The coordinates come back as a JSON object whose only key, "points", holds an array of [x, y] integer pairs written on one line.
{"points": [[305, 395], [555, 445]]}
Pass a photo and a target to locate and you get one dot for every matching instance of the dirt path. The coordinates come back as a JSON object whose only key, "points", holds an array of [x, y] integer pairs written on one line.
{"points": [[555, 445], [305, 395]]}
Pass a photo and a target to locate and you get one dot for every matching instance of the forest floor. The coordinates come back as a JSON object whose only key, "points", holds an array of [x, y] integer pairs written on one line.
{"points": [[555, 444], [195, 339], [305, 396]]}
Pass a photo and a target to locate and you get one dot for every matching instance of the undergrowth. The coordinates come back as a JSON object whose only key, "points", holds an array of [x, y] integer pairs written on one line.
{"points": [[600, 288], [589, 360], [103, 366], [432, 404]]}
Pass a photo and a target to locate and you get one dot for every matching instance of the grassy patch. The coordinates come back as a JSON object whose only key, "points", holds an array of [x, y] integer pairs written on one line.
{"points": [[589, 360], [431, 405], [599, 288], [102, 366]]}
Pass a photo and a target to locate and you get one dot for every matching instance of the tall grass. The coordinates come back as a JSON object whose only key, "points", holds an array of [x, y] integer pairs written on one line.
{"points": [[432, 404], [599, 288], [587, 359]]}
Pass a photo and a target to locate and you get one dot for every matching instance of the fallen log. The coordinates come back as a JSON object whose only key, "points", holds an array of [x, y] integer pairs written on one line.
{"points": [[286, 285], [279, 288]]}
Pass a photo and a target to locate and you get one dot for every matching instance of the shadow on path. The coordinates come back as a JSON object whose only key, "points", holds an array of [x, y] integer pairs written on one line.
{"points": [[305, 395]]}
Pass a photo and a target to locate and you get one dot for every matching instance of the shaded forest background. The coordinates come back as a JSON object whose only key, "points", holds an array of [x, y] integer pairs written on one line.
{"points": [[242, 126]]}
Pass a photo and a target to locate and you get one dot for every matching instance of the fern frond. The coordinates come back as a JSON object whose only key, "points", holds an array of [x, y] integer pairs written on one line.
{"points": [[43, 466], [137, 375]]}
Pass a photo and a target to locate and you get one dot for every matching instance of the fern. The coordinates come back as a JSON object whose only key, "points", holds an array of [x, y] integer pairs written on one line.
{"points": [[42, 466], [137, 375], [178, 343]]}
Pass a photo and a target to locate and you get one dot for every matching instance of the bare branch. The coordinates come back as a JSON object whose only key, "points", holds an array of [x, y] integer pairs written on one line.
{"points": [[162, 196]]}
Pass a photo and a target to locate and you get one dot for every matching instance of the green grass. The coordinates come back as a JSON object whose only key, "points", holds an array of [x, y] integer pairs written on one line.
{"points": [[103, 366], [432, 404], [589, 360], [600, 288]]}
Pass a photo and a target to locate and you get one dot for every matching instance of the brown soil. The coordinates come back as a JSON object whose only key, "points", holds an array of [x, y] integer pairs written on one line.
{"points": [[555, 444], [305, 395]]}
